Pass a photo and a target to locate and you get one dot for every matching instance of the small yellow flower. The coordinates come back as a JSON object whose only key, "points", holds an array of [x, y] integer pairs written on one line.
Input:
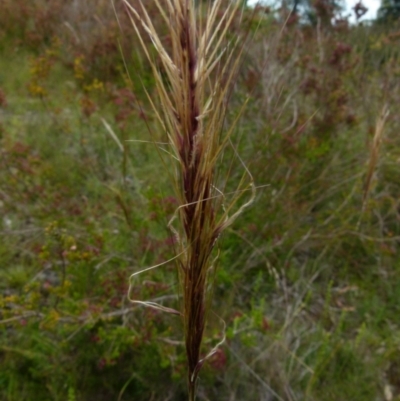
{"points": [[79, 69], [96, 85]]}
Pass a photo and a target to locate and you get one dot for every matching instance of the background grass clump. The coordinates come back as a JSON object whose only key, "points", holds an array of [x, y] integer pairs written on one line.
{"points": [[308, 284]]}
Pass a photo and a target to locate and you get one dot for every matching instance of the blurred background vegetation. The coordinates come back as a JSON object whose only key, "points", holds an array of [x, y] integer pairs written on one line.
{"points": [[308, 280]]}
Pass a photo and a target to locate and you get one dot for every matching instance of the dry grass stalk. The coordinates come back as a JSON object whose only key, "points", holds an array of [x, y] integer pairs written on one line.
{"points": [[374, 151], [192, 89]]}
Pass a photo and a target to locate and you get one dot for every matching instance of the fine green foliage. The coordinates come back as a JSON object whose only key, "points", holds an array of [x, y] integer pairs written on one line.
{"points": [[307, 282]]}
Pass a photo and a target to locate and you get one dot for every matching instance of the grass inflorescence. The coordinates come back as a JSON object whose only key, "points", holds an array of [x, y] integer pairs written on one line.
{"points": [[193, 82]]}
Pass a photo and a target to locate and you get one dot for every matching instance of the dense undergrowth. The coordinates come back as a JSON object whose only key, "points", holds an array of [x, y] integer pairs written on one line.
{"points": [[307, 280]]}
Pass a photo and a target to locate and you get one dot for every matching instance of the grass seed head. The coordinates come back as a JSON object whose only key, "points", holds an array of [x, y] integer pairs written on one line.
{"points": [[193, 78]]}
